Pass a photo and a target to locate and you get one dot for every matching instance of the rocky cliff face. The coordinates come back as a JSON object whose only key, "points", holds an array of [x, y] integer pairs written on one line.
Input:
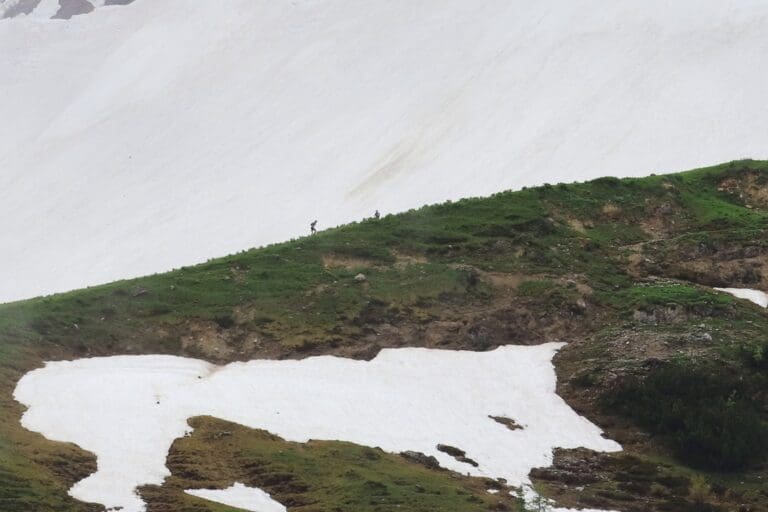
{"points": [[53, 9]]}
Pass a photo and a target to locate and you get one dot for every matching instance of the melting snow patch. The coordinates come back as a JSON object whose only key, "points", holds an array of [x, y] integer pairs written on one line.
{"points": [[756, 296], [536, 502], [129, 409], [240, 496]]}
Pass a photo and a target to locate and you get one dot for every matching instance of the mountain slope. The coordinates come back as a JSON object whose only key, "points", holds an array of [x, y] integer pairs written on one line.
{"points": [[143, 137], [620, 269]]}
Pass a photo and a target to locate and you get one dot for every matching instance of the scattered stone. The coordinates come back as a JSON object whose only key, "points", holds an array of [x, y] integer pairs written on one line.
{"points": [[507, 422], [70, 8], [666, 209], [420, 458], [139, 291], [451, 450], [659, 315], [456, 453], [490, 483], [479, 338], [361, 278]]}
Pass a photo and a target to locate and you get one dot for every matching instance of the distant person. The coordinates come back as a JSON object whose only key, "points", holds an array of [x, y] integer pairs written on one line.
{"points": [[313, 227], [377, 215]]}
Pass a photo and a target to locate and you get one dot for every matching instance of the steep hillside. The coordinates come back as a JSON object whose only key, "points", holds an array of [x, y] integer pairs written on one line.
{"points": [[138, 138], [622, 270]]}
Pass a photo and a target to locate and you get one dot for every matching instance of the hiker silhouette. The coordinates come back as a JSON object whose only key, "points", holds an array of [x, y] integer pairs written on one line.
{"points": [[313, 227]]}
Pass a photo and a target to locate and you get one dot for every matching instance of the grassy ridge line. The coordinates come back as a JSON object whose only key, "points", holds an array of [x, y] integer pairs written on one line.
{"points": [[276, 278], [300, 297]]}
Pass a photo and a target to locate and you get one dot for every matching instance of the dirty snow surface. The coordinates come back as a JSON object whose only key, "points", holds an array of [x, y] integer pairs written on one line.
{"points": [[756, 296], [143, 137], [129, 409], [240, 496]]}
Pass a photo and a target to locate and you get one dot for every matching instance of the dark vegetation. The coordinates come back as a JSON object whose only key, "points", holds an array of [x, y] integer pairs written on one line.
{"points": [[621, 269], [705, 412]]}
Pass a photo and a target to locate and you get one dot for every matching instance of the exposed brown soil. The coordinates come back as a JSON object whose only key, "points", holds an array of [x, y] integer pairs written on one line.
{"points": [[750, 188], [346, 262]]}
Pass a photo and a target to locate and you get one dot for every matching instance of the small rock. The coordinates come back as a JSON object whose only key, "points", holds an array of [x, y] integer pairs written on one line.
{"points": [[360, 278], [420, 458], [666, 209], [139, 291], [451, 450], [507, 422]]}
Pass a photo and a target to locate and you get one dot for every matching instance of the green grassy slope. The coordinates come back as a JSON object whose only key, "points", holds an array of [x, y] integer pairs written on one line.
{"points": [[620, 268], [315, 476]]}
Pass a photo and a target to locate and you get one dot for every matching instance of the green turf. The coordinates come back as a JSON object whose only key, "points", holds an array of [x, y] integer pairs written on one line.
{"points": [[303, 293]]}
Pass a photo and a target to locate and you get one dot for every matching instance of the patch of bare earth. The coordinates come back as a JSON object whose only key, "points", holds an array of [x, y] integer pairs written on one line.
{"points": [[208, 340], [750, 188], [662, 220], [611, 211], [403, 260], [718, 264], [582, 478], [346, 262]]}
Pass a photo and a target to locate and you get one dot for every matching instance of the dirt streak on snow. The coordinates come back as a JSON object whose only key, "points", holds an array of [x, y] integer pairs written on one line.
{"points": [[129, 409], [159, 134], [240, 496]]}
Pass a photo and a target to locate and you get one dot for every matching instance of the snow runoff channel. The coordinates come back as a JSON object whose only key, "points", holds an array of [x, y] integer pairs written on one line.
{"points": [[144, 137], [129, 409]]}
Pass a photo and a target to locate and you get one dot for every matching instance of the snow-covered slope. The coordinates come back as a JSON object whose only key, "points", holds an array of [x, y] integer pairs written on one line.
{"points": [[142, 137]]}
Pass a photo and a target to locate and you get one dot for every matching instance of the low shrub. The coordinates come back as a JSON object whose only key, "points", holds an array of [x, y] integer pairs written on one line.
{"points": [[701, 411]]}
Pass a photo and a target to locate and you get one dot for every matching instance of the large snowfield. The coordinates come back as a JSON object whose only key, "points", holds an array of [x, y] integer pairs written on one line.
{"points": [[129, 409], [139, 138]]}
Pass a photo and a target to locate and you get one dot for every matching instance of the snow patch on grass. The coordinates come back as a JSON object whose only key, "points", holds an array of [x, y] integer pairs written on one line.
{"points": [[240, 496], [129, 409], [756, 296]]}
